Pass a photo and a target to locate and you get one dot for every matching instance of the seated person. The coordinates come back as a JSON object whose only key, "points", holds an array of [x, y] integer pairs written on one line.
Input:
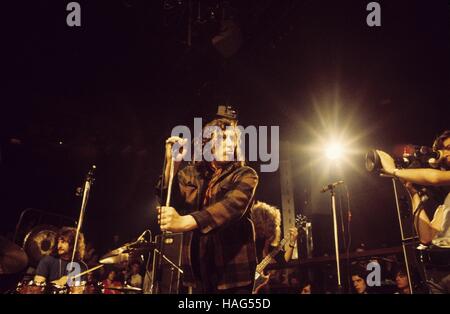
{"points": [[55, 266]]}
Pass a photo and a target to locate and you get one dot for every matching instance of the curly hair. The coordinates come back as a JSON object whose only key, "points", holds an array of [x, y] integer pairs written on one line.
{"points": [[267, 221], [68, 234]]}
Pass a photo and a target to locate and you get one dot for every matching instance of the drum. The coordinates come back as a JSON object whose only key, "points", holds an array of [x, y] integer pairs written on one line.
{"points": [[80, 288], [77, 289], [30, 287]]}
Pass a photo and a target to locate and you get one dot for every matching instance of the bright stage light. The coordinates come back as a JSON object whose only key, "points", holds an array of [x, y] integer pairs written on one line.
{"points": [[334, 151]]}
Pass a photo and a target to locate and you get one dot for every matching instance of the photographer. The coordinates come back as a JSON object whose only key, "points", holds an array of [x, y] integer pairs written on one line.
{"points": [[437, 230]]}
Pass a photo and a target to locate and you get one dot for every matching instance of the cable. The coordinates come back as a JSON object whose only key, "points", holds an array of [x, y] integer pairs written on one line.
{"points": [[349, 234], [161, 190], [342, 221], [147, 274]]}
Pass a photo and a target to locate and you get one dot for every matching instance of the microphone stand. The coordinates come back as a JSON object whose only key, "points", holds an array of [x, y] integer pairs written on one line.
{"points": [[87, 187], [165, 233], [336, 238]]}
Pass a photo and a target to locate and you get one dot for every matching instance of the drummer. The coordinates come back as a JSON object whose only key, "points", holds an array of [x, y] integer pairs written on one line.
{"points": [[54, 266]]}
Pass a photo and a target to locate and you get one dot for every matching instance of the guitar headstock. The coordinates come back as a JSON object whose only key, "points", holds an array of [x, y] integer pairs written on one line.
{"points": [[301, 221]]}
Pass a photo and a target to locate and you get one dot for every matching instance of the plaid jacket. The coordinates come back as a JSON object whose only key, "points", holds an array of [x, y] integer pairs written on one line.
{"points": [[224, 241]]}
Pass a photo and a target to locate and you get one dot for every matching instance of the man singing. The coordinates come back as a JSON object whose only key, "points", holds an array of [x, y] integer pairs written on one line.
{"points": [[211, 206]]}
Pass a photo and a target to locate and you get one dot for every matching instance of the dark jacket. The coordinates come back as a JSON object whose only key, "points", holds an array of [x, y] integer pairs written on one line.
{"points": [[222, 248]]}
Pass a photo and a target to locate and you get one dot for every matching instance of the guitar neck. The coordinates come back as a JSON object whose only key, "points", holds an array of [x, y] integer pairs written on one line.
{"points": [[299, 221], [261, 266]]}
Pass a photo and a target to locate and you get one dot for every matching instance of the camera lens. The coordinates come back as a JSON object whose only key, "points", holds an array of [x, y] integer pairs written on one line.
{"points": [[373, 161]]}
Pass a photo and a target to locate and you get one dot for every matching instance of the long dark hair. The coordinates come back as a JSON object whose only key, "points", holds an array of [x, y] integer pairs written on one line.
{"points": [[68, 234], [223, 123]]}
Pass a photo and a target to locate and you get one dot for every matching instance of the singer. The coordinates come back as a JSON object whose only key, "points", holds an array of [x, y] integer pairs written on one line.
{"points": [[436, 231], [211, 206]]}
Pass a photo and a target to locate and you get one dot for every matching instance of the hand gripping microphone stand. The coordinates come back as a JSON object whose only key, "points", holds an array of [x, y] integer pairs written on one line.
{"points": [[165, 233]]}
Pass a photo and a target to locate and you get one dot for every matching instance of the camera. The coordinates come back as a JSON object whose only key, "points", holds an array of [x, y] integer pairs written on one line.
{"points": [[421, 157], [414, 156]]}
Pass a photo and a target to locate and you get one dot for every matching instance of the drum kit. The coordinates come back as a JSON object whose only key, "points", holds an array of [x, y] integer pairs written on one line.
{"points": [[39, 243], [30, 287]]}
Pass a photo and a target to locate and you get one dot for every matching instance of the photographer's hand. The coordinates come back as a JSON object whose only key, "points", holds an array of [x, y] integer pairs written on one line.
{"points": [[421, 176], [387, 162]]}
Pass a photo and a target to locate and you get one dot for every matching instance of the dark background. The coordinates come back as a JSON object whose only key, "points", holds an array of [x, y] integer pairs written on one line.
{"points": [[112, 90]]}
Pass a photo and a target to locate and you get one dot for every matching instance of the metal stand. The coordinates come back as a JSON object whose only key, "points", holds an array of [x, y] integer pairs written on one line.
{"points": [[169, 261], [169, 187], [336, 237], [87, 187], [165, 233], [166, 272]]}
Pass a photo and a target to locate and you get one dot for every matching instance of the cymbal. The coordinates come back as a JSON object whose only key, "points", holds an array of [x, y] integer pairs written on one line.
{"points": [[12, 257], [39, 242], [114, 259], [123, 253], [133, 247]]}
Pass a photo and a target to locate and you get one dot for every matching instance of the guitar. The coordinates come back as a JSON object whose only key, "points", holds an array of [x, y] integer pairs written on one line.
{"points": [[260, 279]]}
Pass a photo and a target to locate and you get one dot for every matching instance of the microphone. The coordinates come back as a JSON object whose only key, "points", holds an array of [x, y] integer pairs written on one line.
{"points": [[331, 186], [132, 245], [138, 242]]}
